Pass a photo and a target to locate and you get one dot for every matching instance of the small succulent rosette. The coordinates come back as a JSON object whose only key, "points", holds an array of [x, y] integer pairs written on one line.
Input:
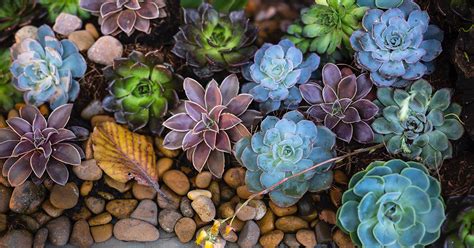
{"points": [[392, 204], [418, 123], [397, 46], [208, 123], [127, 16], [212, 42], [458, 230], [385, 4], [284, 147], [38, 147], [275, 75], [341, 103], [46, 69]]}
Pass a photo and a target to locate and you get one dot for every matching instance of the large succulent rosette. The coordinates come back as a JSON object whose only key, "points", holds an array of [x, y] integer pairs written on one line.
{"points": [[212, 42], [341, 104], [392, 204], [38, 147], [141, 90], [209, 122], [284, 147], [397, 46], [116, 16], [276, 73]]}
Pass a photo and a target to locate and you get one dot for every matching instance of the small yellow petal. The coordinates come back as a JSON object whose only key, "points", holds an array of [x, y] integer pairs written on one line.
{"points": [[228, 229], [208, 244], [200, 238], [215, 227]]}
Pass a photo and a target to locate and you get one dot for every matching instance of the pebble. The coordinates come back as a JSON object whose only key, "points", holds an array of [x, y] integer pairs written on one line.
{"points": [[237, 225], [88, 170], [176, 181], [171, 201], [271, 239], [97, 119], [280, 212], [64, 197], [235, 177], [27, 198], [81, 235], [83, 214], [95, 107], [323, 232], [48, 184], [185, 207], [135, 230], [267, 223], [147, 210], [203, 179], [194, 194], [342, 240], [306, 205], [102, 233], [66, 23], [3, 222], [51, 210], [40, 238], [141, 192], [59, 230], [291, 224], [100, 219], [168, 218], [244, 193], [164, 165], [249, 235], [122, 208], [168, 153], [260, 207], [226, 210], [185, 229], [245, 213], [29, 222], [105, 50], [306, 237], [17, 239], [335, 194], [92, 30], [5, 195], [290, 240], [41, 217], [205, 208], [88, 149], [340, 177], [119, 186], [86, 188], [106, 195], [27, 31], [216, 192], [328, 216], [82, 39], [94, 204], [13, 113]]}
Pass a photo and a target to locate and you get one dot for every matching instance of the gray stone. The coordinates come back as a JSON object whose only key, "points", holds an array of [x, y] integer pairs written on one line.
{"points": [[135, 230], [105, 50], [168, 218], [26, 32], [88, 170], [185, 207], [249, 235], [92, 109], [81, 234], [66, 23], [17, 239], [94, 204], [40, 238], [147, 210], [59, 230]]}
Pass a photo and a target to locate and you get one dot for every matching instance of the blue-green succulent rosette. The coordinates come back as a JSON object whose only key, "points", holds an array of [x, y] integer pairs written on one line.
{"points": [[275, 75], [397, 46], [284, 147], [386, 4], [45, 69], [392, 204]]}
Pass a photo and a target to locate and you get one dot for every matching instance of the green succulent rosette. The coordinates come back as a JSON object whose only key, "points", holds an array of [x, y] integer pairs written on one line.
{"points": [[326, 27], [55, 7], [9, 96], [142, 89], [418, 123]]}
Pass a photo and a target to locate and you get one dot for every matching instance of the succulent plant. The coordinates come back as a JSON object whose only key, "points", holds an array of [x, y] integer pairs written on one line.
{"points": [[15, 14], [397, 46], [418, 123], [212, 42], [33, 145], [458, 230], [392, 204], [223, 6], [46, 69], [8, 94], [284, 147], [141, 90], [55, 7], [326, 26], [341, 104], [276, 73], [116, 16], [384, 4], [209, 122]]}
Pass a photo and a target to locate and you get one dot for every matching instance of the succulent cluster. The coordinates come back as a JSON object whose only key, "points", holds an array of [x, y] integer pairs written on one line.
{"points": [[384, 4], [211, 41], [458, 230], [392, 204], [116, 16], [14, 14], [341, 104], [206, 125], [283, 148], [8, 94], [397, 46], [46, 69], [418, 123], [55, 7], [141, 90], [33, 145], [276, 73], [326, 26]]}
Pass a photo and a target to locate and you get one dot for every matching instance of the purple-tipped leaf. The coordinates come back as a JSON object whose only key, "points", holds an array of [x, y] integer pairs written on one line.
{"points": [[239, 104], [66, 153], [58, 172], [180, 122], [60, 116]]}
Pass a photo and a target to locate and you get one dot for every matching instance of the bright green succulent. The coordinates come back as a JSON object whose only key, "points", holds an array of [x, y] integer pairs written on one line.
{"points": [[418, 123], [458, 230], [392, 204], [142, 88], [8, 94], [15, 14], [55, 7], [326, 26]]}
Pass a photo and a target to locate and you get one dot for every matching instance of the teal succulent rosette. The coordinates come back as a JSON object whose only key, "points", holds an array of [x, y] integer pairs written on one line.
{"points": [[392, 204]]}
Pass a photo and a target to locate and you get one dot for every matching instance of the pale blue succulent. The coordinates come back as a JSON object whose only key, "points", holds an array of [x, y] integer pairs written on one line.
{"points": [[283, 148], [397, 46], [276, 73], [392, 204], [46, 69], [384, 4]]}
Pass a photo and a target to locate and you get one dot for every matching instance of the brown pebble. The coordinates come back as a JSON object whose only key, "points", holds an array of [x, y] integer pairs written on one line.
{"points": [[291, 224], [226, 210], [51, 210], [267, 223], [244, 193], [106, 195], [328, 216], [94, 204], [342, 240], [64, 197], [82, 214], [121, 208], [40, 238], [41, 217], [185, 229], [81, 234], [235, 177], [306, 237], [86, 188], [168, 153], [340, 177], [163, 165], [336, 196], [100, 219], [216, 192], [102, 233], [285, 211], [177, 181], [271, 239], [92, 30], [141, 192], [119, 186], [203, 179], [171, 201]]}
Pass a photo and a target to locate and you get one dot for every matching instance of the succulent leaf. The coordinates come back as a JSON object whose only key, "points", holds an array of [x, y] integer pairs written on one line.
{"points": [[9, 96], [55, 7]]}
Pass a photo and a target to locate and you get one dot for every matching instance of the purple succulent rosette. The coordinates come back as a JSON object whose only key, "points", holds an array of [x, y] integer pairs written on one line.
{"points": [[126, 16], [276, 73], [206, 125], [397, 46], [341, 104], [35, 146]]}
